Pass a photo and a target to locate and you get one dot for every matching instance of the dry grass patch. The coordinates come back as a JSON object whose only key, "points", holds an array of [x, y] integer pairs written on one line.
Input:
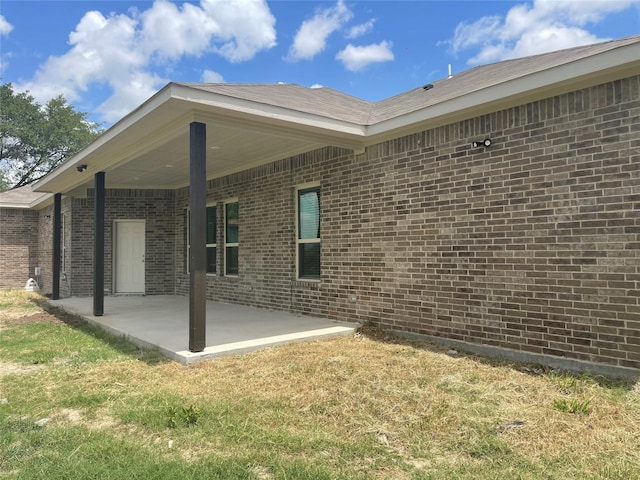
{"points": [[367, 406], [21, 307], [422, 406], [18, 307]]}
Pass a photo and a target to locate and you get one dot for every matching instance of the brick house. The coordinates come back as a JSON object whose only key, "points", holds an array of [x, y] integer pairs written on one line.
{"points": [[497, 210]]}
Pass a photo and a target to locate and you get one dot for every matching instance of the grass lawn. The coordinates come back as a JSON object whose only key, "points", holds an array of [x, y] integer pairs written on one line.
{"points": [[78, 404]]}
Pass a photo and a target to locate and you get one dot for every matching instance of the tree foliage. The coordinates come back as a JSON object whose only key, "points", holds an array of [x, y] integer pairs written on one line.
{"points": [[37, 138]]}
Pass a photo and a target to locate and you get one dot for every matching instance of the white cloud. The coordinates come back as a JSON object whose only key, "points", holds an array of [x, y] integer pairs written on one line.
{"points": [[169, 32], [5, 27], [209, 76], [529, 29], [129, 92], [311, 37], [120, 51], [317, 85], [357, 58], [245, 27], [362, 29]]}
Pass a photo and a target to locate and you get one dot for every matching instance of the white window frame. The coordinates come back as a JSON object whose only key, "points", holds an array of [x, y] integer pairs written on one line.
{"points": [[63, 252], [230, 244], [305, 186], [215, 236], [187, 260], [188, 240]]}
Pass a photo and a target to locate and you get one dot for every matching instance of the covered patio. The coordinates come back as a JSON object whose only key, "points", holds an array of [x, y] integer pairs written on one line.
{"points": [[161, 322], [185, 136]]}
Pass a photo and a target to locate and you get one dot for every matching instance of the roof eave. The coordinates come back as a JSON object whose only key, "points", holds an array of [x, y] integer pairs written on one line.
{"points": [[247, 109], [175, 106], [607, 66], [42, 201], [54, 181]]}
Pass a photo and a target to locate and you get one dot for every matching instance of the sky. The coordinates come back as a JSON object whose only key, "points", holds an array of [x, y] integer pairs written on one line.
{"points": [[108, 57]]}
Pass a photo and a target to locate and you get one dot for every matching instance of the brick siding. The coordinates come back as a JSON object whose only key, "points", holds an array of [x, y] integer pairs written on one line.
{"points": [[18, 246], [45, 249], [530, 245], [156, 207]]}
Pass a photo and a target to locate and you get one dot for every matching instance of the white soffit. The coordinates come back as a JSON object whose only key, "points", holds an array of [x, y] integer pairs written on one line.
{"points": [[165, 118], [40, 202]]}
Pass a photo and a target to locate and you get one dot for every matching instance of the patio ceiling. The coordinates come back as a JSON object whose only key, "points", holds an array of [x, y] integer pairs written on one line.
{"points": [[149, 148]]}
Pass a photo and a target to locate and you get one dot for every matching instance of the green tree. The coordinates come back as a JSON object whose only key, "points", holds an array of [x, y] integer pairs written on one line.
{"points": [[37, 138], [4, 183]]}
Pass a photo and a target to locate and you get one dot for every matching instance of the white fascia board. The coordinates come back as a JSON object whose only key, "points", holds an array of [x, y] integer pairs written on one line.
{"points": [[52, 179], [579, 74], [256, 110], [40, 202]]}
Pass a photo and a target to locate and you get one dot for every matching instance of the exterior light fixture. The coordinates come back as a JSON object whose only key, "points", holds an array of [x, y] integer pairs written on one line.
{"points": [[82, 168], [482, 143]]}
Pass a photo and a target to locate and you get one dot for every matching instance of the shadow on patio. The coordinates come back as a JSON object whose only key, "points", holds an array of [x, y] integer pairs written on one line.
{"points": [[162, 322]]}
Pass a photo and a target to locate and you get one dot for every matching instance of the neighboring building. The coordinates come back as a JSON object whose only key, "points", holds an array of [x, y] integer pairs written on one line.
{"points": [[393, 212], [22, 243]]}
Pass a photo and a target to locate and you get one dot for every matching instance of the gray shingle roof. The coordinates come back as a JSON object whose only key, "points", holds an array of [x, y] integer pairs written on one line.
{"points": [[20, 197], [337, 105], [323, 101], [489, 75]]}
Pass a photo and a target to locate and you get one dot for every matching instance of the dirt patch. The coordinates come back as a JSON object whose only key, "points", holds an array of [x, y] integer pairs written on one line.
{"points": [[63, 316], [98, 421], [55, 315], [71, 415], [38, 317], [19, 307], [16, 369]]}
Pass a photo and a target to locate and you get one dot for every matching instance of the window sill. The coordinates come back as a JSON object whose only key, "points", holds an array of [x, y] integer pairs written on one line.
{"points": [[306, 283]]}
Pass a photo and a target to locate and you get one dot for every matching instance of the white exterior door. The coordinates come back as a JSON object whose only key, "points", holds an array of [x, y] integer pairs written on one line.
{"points": [[129, 256]]}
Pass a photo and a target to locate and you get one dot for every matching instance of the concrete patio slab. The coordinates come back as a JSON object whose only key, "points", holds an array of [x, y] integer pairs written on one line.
{"points": [[162, 322]]}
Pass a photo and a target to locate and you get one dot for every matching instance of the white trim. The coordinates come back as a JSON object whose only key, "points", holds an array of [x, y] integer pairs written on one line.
{"points": [[523, 89], [239, 108], [215, 244], [232, 244], [299, 241], [187, 241], [63, 244], [187, 244], [42, 201]]}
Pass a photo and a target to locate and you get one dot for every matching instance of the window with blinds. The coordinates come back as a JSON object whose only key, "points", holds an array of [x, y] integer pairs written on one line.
{"points": [[212, 229], [308, 238], [231, 238]]}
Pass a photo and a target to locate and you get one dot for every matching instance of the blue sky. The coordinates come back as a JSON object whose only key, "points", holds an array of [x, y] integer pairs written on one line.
{"points": [[107, 57]]}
